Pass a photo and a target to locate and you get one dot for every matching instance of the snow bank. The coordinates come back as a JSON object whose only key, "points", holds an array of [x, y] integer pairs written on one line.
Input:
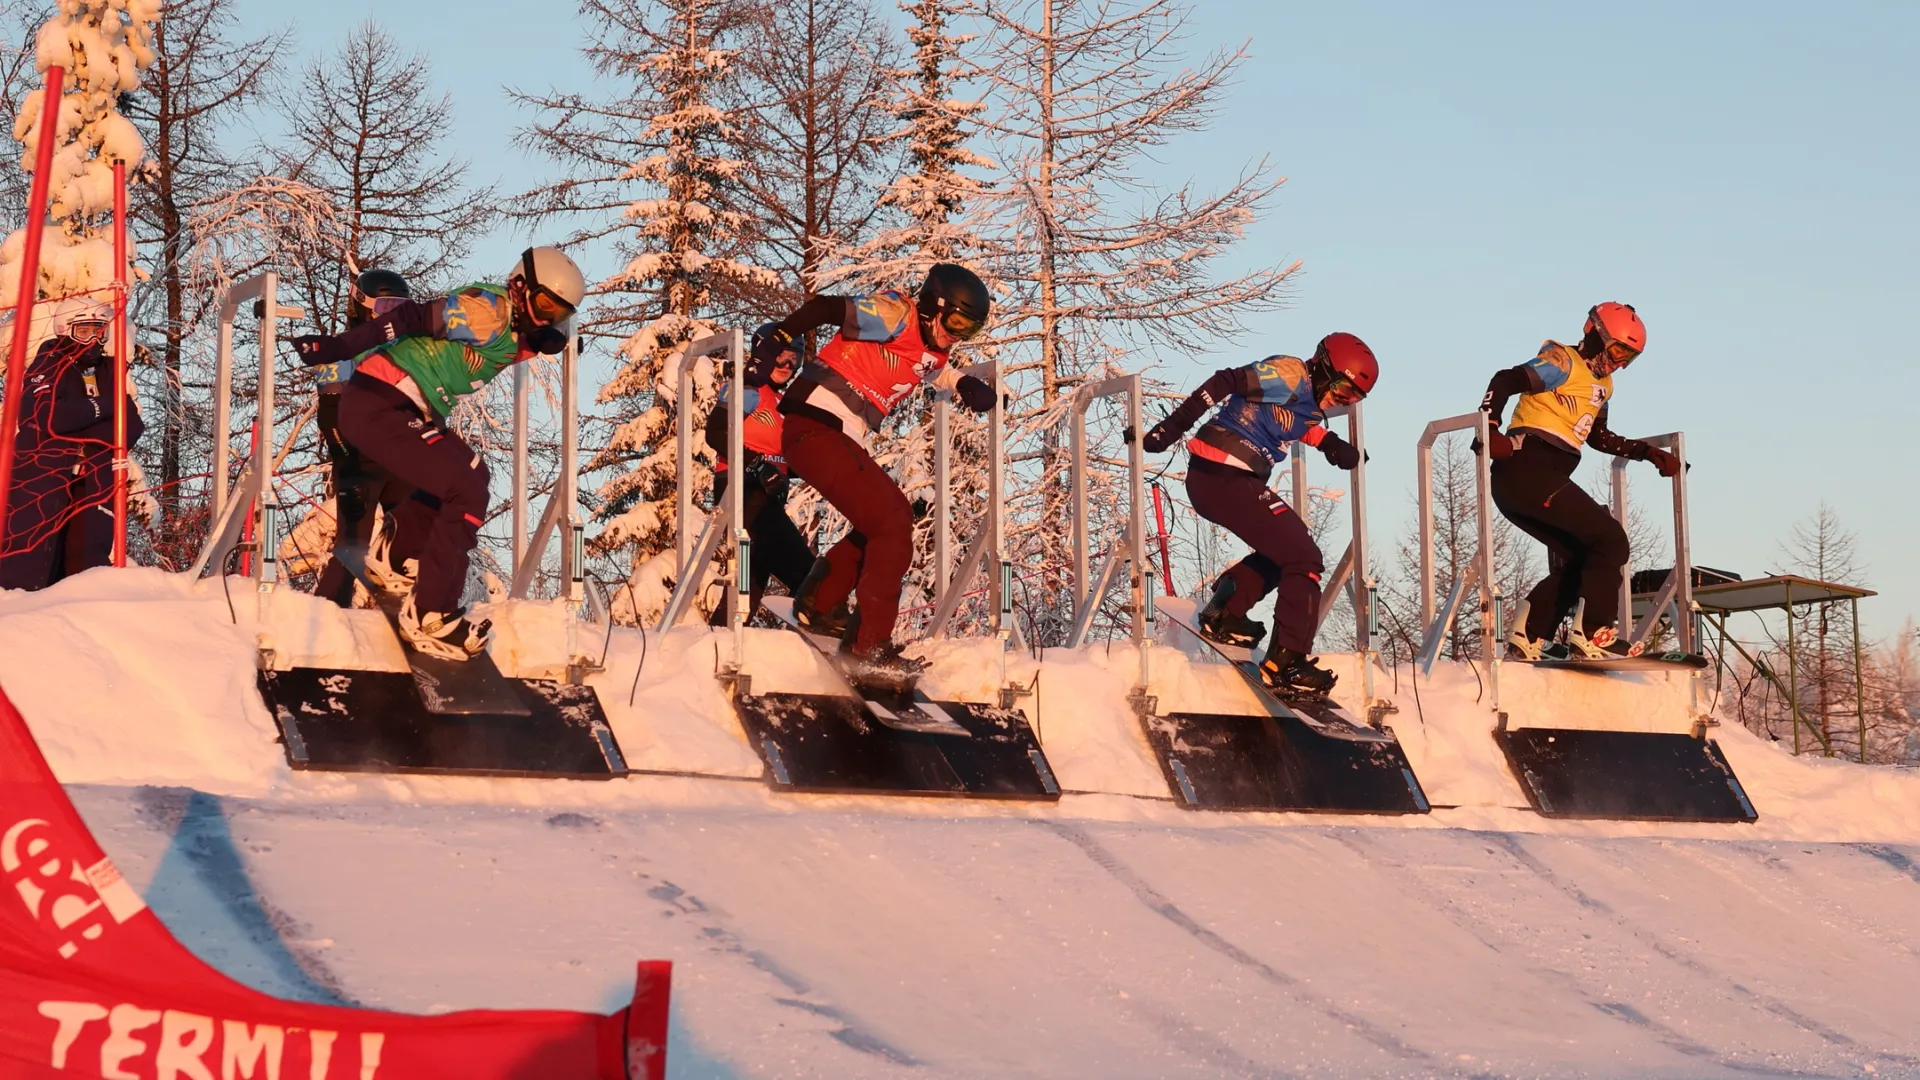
{"points": [[138, 677]]}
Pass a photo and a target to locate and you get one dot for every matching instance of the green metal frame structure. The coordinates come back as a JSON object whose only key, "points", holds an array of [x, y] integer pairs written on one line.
{"points": [[1781, 592]]}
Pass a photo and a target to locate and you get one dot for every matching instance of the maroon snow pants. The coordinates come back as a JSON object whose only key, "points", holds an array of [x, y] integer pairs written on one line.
{"points": [[872, 561], [388, 429], [1285, 559]]}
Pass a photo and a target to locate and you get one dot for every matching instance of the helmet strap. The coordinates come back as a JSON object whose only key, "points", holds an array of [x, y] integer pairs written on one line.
{"points": [[1321, 372]]}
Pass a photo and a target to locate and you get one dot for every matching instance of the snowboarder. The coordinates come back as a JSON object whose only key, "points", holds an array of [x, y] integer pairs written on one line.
{"points": [[358, 488], [779, 551], [1564, 392], [1264, 408], [886, 345], [410, 363], [60, 517]]}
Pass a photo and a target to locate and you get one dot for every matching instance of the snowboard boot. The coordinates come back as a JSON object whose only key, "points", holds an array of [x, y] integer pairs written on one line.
{"points": [[397, 580], [449, 635], [1234, 631], [1522, 647], [830, 624], [1604, 643], [882, 668], [1288, 672]]}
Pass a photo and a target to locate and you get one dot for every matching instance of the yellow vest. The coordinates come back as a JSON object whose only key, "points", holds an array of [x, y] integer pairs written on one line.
{"points": [[1565, 411]]}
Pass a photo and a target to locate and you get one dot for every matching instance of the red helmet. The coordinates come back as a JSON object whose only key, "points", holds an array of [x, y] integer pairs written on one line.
{"points": [[1348, 357], [1618, 324]]}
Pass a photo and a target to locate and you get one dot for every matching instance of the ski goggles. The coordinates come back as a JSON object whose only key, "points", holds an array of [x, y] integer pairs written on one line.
{"points": [[1343, 391], [1620, 353], [961, 326], [88, 333], [547, 307]]}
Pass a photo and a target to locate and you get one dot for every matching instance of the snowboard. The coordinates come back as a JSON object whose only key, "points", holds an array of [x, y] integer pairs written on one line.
{"points": [[470, 687], [1669, 661], [1317, 711], [903, 710]]}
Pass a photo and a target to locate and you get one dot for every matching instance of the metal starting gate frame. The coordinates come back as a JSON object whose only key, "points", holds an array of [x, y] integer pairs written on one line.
{"points": [[1292, 757], [693, 555], [376, 721], [1584, 773], [253, 499]]}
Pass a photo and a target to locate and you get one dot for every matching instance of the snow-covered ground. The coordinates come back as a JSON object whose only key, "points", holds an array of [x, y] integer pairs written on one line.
{"points": [[1112, 934]]}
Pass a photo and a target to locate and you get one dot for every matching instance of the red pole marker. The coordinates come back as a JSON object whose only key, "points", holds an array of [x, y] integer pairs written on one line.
{"points": [[122, 354], [246, 531], [29, 287], [1166, 563]]}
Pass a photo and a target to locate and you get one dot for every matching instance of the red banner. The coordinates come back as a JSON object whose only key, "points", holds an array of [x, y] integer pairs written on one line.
{"points": [[91, 984]]}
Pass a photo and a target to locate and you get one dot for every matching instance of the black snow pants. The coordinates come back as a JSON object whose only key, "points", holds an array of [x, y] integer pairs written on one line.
{"points": [[779, 551], [1586, 547], [1285, 559], [444, 478]]}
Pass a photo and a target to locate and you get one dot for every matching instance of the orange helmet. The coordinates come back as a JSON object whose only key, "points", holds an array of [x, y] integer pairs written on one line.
{"points": [[1620, 332], [1345, 356]]}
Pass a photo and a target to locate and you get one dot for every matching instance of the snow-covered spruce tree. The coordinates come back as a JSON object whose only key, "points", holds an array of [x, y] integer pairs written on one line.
{"points": [[645, 167], [1097, 260], [103, 45], [201, 84], [931, 196], [921, 222]]}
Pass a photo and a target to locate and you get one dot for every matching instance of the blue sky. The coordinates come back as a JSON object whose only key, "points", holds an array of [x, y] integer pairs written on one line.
{"points": [[1466, 180]]}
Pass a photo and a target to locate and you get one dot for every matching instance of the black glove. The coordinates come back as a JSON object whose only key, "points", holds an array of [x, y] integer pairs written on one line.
{"points": [[974, 393], [314, 349], [1159, 437], [767, 348], [1339, 451], [1666, 462], [770, 478]]}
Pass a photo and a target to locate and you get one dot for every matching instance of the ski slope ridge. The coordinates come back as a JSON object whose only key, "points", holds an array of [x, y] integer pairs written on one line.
{"points": [[1112, 934]]}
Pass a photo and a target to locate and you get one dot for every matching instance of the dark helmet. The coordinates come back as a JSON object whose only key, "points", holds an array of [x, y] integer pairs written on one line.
{"points": [[369, 284], [956, 298], [798, 347]]}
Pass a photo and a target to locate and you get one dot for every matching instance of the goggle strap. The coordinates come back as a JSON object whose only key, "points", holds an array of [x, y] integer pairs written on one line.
{"points": [[526, 271]]}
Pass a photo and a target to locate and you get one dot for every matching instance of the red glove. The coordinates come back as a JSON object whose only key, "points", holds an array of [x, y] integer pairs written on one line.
{"points": [[1668, 465], [1498, 445]]}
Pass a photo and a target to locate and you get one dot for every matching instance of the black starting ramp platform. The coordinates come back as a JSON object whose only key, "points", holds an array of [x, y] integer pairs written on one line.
{"points": [[1624, 775], [374, 721], [1217, 761], [833, 743]]}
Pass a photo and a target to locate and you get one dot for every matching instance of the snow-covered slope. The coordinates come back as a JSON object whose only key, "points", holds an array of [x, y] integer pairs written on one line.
{"points": [[1112, 934]]}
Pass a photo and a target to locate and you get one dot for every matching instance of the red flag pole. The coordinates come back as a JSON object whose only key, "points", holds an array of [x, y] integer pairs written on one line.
{"points": [[29, 287], [1166, 563], [246, 531], [122, 354]]}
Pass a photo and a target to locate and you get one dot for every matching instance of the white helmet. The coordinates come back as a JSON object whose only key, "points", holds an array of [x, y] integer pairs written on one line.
{"points": [[78, 309], [554, 284]]}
